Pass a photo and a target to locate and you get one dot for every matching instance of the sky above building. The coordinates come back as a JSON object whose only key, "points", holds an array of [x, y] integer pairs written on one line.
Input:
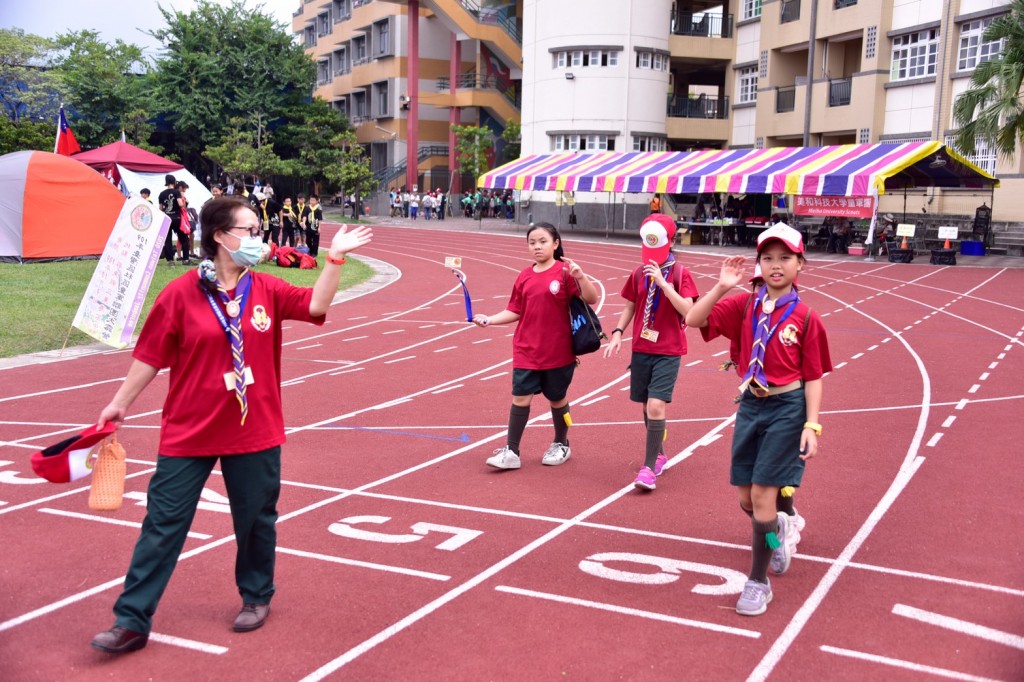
{"points": [[128, 20]]}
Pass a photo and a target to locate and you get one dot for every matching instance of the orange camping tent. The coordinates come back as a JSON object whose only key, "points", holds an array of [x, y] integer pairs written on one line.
{"points": [[53, 207]]}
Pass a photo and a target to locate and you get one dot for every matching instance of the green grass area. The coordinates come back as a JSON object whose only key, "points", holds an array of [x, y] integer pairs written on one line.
{"points": [[38, 301]]}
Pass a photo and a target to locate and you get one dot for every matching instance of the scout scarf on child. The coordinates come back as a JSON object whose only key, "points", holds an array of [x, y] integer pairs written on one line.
{"points": [[232, 326], [762, 335], [653, 298]]}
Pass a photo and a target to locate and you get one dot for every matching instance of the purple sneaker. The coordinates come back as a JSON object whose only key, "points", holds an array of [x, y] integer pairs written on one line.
{"points": [[645, 480], [659, 464], [755, 598]]}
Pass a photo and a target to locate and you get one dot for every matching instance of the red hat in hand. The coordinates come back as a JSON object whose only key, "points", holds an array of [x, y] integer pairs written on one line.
{"points": [[70, 459]]}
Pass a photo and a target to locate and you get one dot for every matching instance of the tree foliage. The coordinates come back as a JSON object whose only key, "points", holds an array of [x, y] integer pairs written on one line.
{"points": [[15, 137], [247, 150], [28, 87], [513, 136], [472, 144], [992, 110], [350, 168], [308, 137], [100, 83], [226, 62]]}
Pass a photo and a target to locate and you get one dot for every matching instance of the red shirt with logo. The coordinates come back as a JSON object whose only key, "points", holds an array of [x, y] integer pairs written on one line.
{"points": [[666, 320], [543, 339], [795, 352], [200, 415]]}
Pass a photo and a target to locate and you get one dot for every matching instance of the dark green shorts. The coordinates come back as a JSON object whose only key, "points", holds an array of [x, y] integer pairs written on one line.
{"points": [[553, 383], [652, 376], [766, 440]]}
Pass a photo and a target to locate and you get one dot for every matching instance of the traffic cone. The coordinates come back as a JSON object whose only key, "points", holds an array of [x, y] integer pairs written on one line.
{"points": [[946, 245], [904, 244]]}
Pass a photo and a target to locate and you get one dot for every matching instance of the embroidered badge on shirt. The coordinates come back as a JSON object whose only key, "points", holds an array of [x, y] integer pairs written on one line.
{"points": [[260, 320], [788, 335], [555, 286]]}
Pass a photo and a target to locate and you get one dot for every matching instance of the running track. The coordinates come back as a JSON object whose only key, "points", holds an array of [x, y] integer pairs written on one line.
{"points": [[402, 556]]}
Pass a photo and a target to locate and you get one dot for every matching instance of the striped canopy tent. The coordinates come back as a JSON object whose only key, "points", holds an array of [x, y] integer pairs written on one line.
{"points": [[841, 170]]}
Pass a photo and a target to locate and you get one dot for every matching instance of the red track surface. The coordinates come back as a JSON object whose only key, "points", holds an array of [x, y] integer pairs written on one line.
{"points": [[910, 564]]}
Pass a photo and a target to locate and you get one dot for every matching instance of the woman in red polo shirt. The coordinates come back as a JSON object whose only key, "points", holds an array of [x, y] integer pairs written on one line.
{"points": [[542, 357], [218, 330]]}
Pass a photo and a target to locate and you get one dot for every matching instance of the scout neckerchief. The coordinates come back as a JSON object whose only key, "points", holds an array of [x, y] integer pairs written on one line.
{"points": [[266, 218], [314, 224], [762, 335], [232, 326], [302, 208], [653, 298]]}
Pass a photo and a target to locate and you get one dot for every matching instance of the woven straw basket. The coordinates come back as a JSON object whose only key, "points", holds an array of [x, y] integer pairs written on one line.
{"points": [[108, 474]]}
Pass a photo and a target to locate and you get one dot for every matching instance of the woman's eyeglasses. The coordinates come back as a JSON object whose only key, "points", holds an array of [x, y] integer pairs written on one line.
{"points": [[253, 231]]}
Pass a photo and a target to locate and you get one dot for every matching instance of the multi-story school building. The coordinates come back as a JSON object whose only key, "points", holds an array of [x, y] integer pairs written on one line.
{"points": [[651, 75]]}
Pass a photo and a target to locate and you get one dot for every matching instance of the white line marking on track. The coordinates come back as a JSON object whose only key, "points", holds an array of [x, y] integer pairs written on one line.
{"points": [[427, 326], [359, 317], [983, 376], [315, 345], [961, 405], [873, 347], [595, 400], [493, 376], [407, 357], [347, 371], [949, 421], [61, 390], [906, 665], [393, 331], [993, 365], [364, 564], [482, 341], [391, 403], [839, 366], [934, 440], [695, 362], [650, 615], [1001, 356], [858, 355], [446, 389], [113, 522], [715, 355], [974, 388], [445, 349], [957, 625], [188, 644], [354, 338]]}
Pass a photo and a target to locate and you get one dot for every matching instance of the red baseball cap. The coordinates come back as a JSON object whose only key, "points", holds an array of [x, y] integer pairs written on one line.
{"points": [[70, 459], [657, 231], [782, 232]]}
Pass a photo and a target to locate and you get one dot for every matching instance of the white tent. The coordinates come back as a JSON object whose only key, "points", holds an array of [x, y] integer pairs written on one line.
{"points": [[133, 181]]}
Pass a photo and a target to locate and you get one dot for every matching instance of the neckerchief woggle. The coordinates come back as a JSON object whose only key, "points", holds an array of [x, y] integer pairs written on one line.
{"points": [[762, 335], [233, 329]]}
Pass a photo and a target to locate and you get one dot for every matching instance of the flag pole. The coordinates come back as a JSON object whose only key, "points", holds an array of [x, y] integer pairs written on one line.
{"points": [[65, 344], [56, 139]]}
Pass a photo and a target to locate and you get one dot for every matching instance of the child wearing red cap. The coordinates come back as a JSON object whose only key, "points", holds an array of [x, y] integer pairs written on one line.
{"points": [[777, 427], [542, 357], [658, 338]]}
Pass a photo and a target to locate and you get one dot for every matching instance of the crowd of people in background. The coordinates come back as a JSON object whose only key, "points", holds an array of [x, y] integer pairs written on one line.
{"points": [[489, 203]]}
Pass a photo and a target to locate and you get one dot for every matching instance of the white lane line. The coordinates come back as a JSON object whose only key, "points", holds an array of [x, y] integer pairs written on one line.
{"points": [[962, 626], [625, 388], [715, 355], [1001, 356], [445, 349], [354, 338], [839, 366], [983, 377], [934, 440], [961, 405], [993, 365], [391, 403], [358, 317], [347, 371], [188, 644], [974, 388], [949, 421], [873, 347], [427, 326], [858, 355], [483, 341], [393, 331], [364, 564], [650, 615], [61, 390], [407, 357], [493, 376], [68, 493], [315, 345], [113, 522], [595, 400], [695, 362], [906, 665], [446, 389]]}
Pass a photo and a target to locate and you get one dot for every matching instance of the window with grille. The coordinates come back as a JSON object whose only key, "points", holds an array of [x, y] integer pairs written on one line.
{"points": [[565, 58], [984, 156], [974, 50], [381, 100], [915, 55], [592, 142], [644, 60], [751, 9], [747, 85], [383, 30]]}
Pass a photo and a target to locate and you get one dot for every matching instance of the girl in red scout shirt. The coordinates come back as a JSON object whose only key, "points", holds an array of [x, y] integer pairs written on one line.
{"points": [[777, 425], [542, 357], [663, 291], [218, 329]]}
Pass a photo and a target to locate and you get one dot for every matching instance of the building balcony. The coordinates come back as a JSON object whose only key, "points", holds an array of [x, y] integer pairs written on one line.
{"points": [[839, 91], [785, 99], [701, 24], [698, 107]]}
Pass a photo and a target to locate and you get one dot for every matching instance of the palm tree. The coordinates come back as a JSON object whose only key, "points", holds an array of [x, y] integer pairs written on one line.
{"points": [[992, 109]]}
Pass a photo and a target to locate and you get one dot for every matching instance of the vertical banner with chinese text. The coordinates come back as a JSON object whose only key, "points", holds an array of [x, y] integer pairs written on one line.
{"points": [[113, 300]]}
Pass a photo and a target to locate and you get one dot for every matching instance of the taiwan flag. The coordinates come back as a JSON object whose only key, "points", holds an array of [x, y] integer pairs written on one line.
{"points": [[66, 144]]}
